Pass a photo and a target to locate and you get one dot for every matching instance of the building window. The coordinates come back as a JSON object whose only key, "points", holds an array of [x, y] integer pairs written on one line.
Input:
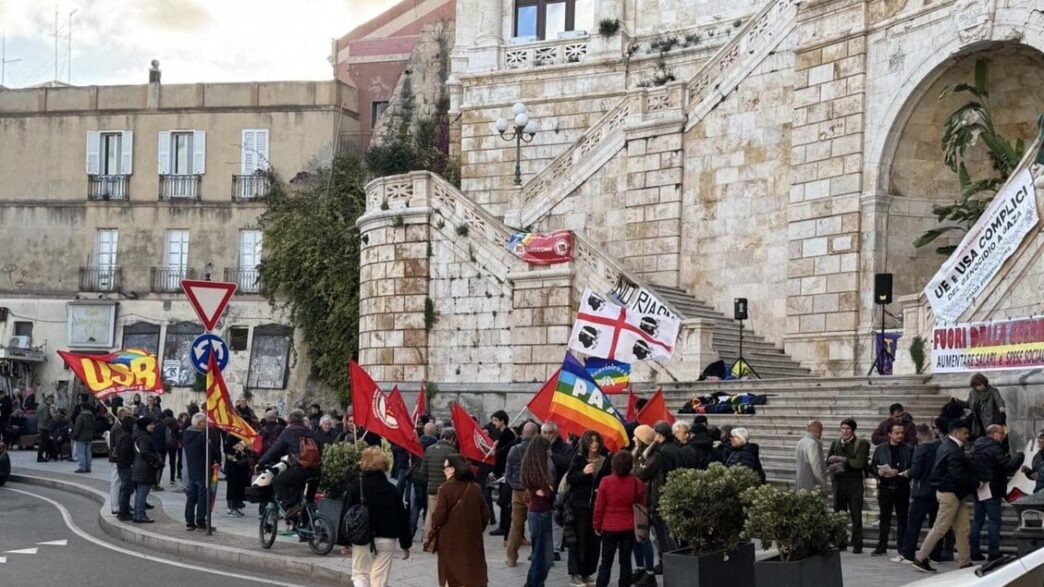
{"points": [[142, 335], [177, 250], [106, 241], [237, 338], [110, 153], [269, 355], [177, 351], [23, 329], [545, 19], [377, 108], [181, 153]]}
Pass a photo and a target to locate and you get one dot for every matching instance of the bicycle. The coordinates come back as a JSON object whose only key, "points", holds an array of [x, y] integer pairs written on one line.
{"points": [[311, 526]]}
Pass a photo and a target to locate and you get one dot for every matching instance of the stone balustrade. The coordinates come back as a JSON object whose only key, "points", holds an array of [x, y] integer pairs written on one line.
{"points": [[537, 54]]}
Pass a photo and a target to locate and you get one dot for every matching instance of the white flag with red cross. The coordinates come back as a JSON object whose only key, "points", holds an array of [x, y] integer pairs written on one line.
{"points": [[610, 331]]}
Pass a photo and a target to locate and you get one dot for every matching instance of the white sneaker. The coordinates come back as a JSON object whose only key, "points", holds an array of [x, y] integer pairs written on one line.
{"points": [[577, 581], [900, 559]]}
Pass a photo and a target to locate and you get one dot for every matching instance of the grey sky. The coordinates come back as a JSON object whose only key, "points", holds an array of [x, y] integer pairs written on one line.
{"points": [[194, 40]]}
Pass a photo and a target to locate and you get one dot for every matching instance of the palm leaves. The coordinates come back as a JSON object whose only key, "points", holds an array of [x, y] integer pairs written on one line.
{"points": [[962, 131]]}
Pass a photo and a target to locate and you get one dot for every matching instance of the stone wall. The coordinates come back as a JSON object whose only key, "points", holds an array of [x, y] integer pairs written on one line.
{"points": [[654, 16], [737, 177]]}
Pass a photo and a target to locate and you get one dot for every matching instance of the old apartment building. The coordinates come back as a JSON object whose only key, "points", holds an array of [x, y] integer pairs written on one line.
{"points": [[110, 196]]}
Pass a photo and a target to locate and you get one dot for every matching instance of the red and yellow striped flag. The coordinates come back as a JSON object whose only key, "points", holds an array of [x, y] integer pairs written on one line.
{"points": [[220, 411]]}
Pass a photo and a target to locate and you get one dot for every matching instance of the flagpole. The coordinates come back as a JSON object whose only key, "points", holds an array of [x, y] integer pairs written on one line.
{"points": [[206, 431]]}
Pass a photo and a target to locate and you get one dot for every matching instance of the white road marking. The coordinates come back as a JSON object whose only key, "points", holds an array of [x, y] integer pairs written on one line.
{"points": [[22, 551], [54, 543], [3, 560], [67, 518]]}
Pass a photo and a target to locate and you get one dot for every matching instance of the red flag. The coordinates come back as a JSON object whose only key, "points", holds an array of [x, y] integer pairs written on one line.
{"points": [[374, 412], [540, 405], [407, 436], [632, 401], [421, 407], [655, 410], [474, 442]]}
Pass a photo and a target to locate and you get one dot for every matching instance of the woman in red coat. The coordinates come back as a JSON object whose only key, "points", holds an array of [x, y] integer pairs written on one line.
{"points": [[614, 517]]}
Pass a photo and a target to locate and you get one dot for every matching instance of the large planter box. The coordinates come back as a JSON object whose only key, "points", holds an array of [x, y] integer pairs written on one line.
{"points": [[682, 569], [816, 571], [332, 509]]}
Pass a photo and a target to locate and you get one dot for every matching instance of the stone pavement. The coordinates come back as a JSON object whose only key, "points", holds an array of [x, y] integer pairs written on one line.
{"points": [[236, 540]]}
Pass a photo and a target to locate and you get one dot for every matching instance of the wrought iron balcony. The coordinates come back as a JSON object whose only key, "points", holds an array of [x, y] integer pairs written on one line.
{"points": [[101, 279], [107, 187], [179, 187], [354, 142], [249, 187], [168, 279], [247, 280]]}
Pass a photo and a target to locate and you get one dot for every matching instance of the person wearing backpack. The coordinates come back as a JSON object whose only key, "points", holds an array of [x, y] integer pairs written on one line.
{"points": [[297, 441], [375, 521]]}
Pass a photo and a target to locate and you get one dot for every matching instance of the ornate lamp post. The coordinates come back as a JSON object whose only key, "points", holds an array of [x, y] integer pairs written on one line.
{"points": [[525, 129]]}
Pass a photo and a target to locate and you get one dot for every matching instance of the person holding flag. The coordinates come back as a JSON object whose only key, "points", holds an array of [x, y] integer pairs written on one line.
{"points": [[196, 498]]}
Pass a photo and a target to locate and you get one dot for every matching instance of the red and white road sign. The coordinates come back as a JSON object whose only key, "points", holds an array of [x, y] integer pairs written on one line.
{"points": [[208, 298]]}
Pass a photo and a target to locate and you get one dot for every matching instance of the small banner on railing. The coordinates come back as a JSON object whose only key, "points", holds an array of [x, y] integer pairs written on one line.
{"points": [[989, 346], [542, 249]]}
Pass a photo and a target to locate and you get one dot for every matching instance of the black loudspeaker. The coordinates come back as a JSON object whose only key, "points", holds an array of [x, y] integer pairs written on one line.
{"points": [[883, 288], [739, 309]]}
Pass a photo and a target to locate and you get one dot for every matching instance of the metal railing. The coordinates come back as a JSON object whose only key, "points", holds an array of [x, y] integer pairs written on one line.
{"points": [[249, 187], [168, 279], [246, 280], [107, 187], [354, 142], [179, 187], [101, 278]]}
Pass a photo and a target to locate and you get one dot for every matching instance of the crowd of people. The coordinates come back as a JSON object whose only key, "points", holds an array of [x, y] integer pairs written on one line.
{"points": [[569, 497], [924, 473]]}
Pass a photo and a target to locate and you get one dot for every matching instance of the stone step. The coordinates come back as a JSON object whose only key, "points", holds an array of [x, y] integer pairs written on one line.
{"points": [[834, 385]]}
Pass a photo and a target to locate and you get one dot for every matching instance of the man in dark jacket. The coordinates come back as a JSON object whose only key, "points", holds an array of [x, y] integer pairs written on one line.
{"points": [[124, 449], [890, 465], [429, 472], [196, 499], [505, 441], [744, 453], [288, 484], [83, 434], [701, 445], [993, 465], [513, 477], [953, 481], [270, 430], [115, 433], [896, 415], [678, 456], [846, 462], [143, 471], [923, 503]]}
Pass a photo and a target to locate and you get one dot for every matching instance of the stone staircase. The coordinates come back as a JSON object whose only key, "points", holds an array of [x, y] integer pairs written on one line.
{"points": [[777, 426], [769, 361]]}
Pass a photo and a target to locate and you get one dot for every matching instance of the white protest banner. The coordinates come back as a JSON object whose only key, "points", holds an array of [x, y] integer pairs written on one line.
{"points": [[609, 331], [988, 346], [1006, 221]]}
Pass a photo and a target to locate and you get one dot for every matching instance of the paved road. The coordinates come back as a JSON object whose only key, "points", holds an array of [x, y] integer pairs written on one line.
{"points": [[88, 558]]}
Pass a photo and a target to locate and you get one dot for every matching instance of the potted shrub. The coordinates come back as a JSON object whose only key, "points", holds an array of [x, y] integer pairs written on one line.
{"points": [[704, 511], [340, 467], [807, 535]]}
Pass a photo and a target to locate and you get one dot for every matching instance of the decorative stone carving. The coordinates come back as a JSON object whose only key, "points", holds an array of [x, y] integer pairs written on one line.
{"points": [[974, 19]]}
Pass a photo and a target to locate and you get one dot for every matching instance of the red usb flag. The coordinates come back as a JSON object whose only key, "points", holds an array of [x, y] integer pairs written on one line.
{"points": [[421, 407], [655, 410], [405, 435], [377, 413], [474, 442]]}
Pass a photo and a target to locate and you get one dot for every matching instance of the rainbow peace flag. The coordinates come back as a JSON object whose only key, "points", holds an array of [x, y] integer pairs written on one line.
{"points": [[611, 376], [579, 405]]}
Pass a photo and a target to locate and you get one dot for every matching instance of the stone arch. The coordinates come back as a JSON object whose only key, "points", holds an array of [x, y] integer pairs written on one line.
{"points": [[905, 217]]}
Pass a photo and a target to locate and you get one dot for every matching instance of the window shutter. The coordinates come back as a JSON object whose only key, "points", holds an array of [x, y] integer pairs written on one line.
{"points": [[127, 154], [164, 152], [247, 159], [261, 144], [93, 152], [199, 152]]}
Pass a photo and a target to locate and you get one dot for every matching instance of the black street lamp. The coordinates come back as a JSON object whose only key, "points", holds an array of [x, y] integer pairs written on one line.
{"points": [[525, 129]]}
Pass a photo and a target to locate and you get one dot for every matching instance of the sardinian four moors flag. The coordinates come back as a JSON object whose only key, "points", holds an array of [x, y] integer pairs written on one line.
{"points": [[609, 331], [385, 416], [220, 411]]}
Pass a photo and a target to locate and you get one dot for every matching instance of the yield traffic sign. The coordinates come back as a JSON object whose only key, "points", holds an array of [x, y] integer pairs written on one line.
{"points": [[208, 298]]}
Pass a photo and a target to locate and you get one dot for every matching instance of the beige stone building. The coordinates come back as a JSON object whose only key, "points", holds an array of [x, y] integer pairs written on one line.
{"points": [[111, 195], [776, 150]]}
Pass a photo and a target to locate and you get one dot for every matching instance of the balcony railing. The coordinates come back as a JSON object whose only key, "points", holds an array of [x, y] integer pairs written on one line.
{"points": [[168, 279], [179, 187], [246, 280], [101, 279], [354, 142], [249, 187], [107, 187]]}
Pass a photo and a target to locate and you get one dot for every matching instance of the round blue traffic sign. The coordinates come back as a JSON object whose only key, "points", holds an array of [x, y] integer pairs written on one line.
{"points": [[203, 346]]}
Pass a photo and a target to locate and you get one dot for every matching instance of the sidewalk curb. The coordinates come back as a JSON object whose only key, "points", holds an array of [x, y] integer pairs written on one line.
{"points": [[211, 553]]}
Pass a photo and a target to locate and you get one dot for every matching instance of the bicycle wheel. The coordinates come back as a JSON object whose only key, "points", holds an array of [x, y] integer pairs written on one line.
{"points": [[268, 527], [322, 539]]}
